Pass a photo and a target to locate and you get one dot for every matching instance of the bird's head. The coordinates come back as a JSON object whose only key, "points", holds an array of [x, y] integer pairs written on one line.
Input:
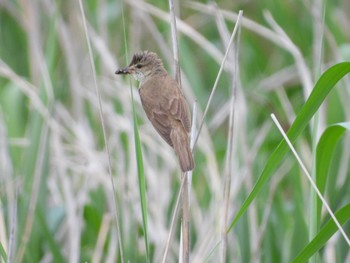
{"points": [[142, 65]]}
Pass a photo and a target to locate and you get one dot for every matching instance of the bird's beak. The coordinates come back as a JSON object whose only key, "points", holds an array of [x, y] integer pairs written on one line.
{"points": [[124, 71]]}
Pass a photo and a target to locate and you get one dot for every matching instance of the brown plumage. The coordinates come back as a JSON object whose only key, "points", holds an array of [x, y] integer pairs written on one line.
{"points": [[164, 104]]}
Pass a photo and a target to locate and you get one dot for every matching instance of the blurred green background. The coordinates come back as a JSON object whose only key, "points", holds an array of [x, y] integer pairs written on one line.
{"points": [[56, 197]]}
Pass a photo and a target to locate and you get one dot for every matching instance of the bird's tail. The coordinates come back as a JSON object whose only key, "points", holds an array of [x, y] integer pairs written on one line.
{"points": [[182, 149]]}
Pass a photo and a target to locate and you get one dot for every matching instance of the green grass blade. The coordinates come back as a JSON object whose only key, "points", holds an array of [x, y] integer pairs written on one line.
{"points": [[141, 176], [324, 235], [323, 86], [49, 237], [3, 253], [139, 159], [324, 156]]}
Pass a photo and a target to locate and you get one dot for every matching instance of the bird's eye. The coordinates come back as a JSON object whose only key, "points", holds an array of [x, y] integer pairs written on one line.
{"points": [[139, 66]]}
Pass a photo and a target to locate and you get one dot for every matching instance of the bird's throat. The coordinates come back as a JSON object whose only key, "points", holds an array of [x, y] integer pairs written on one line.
{"points": [[139, 76]]}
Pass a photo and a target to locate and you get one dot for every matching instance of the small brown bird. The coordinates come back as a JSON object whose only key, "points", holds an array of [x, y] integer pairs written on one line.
{"points": [[163, 103]]}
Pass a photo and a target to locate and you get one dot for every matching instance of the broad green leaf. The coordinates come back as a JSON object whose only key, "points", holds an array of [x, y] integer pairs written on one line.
{"points": [[323, 86], [324, 235], [324, 155]]}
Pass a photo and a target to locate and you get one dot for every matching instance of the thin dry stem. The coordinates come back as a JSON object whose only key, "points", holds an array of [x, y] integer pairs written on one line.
{"points": [[246, 22], [156, 35], [286, 76], [35, 192], [185, 225], [303, 70], [101, 239], [317, 11], [217, 79], [279, 38], [182, 27], [193, 133], [229, 153], [13, 226], [175, 213], [175, 43], [115, 211], [69, 51]]}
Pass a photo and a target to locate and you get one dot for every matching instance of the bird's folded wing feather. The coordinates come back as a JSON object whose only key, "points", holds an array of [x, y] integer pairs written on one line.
{"points": [[178, 107], [158, 118], [170, 104]]}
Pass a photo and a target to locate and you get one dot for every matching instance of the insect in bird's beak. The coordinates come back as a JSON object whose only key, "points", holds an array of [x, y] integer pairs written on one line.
{"points": [[126, 70]]}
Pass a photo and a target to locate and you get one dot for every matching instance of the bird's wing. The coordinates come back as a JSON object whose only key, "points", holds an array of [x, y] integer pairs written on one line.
{"points": [[177, 105], [158, 117], [164, 105]]}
